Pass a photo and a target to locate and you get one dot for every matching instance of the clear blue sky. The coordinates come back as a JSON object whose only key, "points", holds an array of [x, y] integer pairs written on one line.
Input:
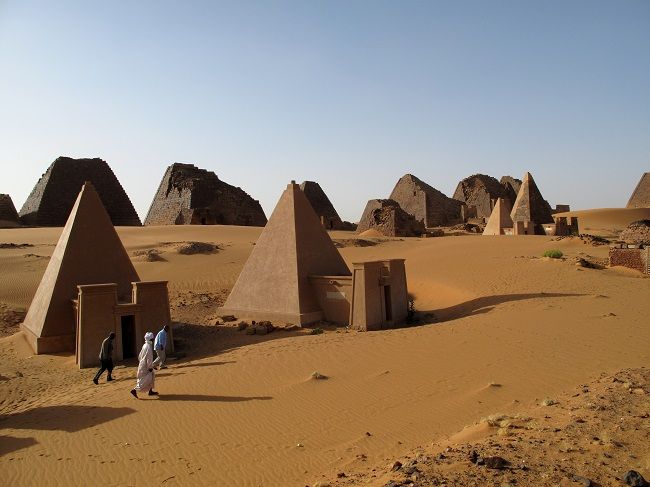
{"points": [[352, 94]]}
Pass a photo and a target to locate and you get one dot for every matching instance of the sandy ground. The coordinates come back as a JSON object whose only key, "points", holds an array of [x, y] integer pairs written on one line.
{"points": [[244, 410], [607, 222]]}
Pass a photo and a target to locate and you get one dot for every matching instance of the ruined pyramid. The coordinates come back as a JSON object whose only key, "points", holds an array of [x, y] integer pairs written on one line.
{"points": [[641, 196], [530, 206], [274, 283], [499, 218], [89, 251], [8, 214]]}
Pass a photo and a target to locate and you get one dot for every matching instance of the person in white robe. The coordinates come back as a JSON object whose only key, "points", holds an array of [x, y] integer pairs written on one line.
{"points": [[146, 377]]}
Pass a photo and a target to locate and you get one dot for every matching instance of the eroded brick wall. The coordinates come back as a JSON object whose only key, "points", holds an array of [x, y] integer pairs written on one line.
{"points": [[631, 258]]}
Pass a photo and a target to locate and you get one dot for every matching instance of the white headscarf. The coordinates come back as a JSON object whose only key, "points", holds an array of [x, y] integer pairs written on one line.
{"points": [[148, 336]]}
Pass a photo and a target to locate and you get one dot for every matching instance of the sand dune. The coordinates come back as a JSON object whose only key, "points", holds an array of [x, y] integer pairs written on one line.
{"points": [[607, 222], [235, 409]]}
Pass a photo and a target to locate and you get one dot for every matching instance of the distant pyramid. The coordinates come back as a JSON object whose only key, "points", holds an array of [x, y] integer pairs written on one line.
{"points": [[322, 205], [89, 251], [641, 196], [8, 214], [499, 219], [425, 203], [54, 194], [530, 206], [274, 284]]}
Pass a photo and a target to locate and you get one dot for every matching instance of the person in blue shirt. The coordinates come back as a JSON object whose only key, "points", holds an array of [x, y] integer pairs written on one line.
{"points": [[160, 346]]}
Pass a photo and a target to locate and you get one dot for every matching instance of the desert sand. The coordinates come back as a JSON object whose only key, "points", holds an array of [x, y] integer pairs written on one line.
{"points": [[244, 410]]}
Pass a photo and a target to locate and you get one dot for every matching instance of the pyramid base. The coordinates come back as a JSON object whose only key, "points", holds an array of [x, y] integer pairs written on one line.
{"points": [[291, 318], [53, 344]]}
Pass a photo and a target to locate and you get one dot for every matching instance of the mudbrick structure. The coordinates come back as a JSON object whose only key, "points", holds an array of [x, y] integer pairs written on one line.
{"points": [[637, 233], [481, 192], [188, 195], [8, 214], [52, 198], [389, 219], [323, 207], [425, 203], [637, 258], [641, 196]]}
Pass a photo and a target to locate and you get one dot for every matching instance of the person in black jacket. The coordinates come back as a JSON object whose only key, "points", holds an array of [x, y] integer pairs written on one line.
{"points": [[106, 358]]}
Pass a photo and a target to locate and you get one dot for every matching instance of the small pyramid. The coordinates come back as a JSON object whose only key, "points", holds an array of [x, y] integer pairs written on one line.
{"points": [[274, 283], [641, 196], [89, 251], [499, 218], [530, 206]]}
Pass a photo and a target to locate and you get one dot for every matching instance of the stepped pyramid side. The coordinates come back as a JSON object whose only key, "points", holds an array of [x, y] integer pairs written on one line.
{"points": [[8, 213], [53, 196], [188, 195], [89, 251], [274, 284], [641, 196], [499, 219]]}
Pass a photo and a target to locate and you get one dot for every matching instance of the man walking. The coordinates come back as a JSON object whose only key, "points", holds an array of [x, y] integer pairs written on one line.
{"points": [[160, 346], [106, 358]]}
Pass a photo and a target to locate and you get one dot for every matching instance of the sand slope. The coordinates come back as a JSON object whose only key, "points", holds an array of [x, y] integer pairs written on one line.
{"points": [[234, 411]]}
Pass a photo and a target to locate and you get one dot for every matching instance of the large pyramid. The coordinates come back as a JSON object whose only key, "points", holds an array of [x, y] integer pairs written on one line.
{"points": [[188, 195], [89, 251], [51, 200], [499, 219], [425, 203], [8, 214], [641, 196], [481, 191], [530, 206], [274, 284]]}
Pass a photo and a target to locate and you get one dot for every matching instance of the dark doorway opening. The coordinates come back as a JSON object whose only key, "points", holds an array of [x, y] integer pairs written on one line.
{"points": [[128, 336], [203, 221], [388, 304]]}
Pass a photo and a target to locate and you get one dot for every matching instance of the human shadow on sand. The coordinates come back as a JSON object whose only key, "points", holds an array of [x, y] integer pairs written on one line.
{"points": [[70, 418], [10, 444], [486, 304], [201, 397]]}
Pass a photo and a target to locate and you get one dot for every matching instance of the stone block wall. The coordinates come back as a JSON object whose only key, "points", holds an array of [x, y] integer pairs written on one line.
{"points": [[425, 203], [631, 258], [53, 197]]}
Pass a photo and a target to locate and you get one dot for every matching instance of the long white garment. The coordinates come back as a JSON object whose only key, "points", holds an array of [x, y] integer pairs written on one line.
{"points": [[145, 378]]}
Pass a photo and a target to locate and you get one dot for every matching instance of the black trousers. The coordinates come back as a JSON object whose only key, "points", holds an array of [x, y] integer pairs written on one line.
{"points": [[106, 365]]}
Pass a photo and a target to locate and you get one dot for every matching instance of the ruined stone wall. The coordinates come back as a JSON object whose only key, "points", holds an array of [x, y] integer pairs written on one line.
{"points": [[388, 218], [482, 191], [641, 196], [637, 232], [511, 186], [425, 203], [8, 214], [53, 197], [631, 258], [188, 195]]}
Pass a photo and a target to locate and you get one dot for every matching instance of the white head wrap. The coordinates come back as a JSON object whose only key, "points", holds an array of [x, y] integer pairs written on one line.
{"points": [[148, 336]]}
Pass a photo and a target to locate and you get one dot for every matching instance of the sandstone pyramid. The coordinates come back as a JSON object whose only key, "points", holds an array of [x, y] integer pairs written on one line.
{"points": [[530, 206], [641, 196], [188, 195], [8, 214], [51, 200], [481, 191], [425, 203], [499, 219], [511, 186], [89, 251], [389, 219], [274, 284], [323, 206]]}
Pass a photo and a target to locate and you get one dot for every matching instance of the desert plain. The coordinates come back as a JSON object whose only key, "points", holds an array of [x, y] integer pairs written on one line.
{"points": [[560, 352]]}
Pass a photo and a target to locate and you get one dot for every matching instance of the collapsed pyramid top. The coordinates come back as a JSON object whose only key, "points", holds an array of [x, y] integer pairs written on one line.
{"points": [[51, 200], [530, 205], [641, 196], [274, 282], [89, 251]]}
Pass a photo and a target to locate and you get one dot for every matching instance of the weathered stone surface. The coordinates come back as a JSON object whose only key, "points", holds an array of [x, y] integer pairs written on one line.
{"points": [[323, 207], [54, 195], [637, 233], [530, 206], [482, 191], [499, 218], [641, 196], [388, 218], [188, 195], [425, 203], [511, 186], [8, 214]]}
